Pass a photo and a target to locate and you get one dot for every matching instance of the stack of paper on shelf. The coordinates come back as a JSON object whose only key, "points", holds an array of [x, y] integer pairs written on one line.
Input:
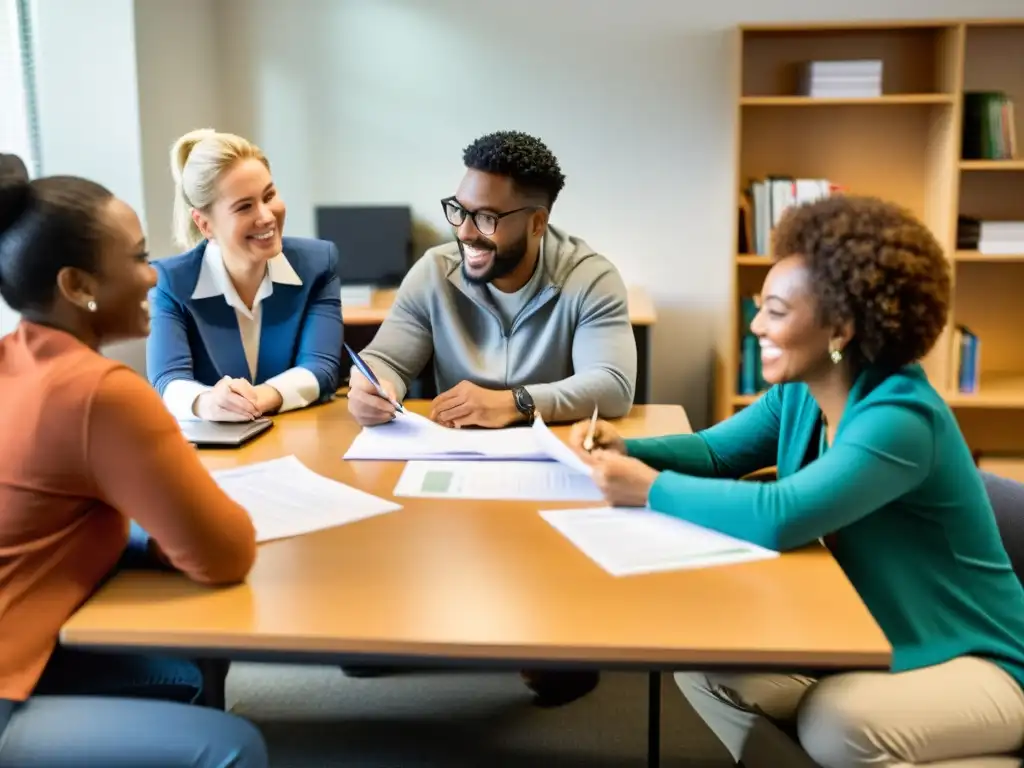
{"points": [[855, 79]]}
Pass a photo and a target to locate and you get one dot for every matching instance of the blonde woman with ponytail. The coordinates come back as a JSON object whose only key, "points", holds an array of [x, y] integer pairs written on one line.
{"points": [[246, 322]]}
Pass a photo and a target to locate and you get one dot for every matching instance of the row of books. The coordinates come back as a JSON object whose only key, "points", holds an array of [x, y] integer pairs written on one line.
{"points": [[989, 131], [967, 348], [766, 200], [751, 381], [856, 79], [998, 238]]}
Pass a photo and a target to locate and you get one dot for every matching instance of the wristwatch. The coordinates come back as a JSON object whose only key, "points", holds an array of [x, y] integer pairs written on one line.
{"points": [[524, 402]]}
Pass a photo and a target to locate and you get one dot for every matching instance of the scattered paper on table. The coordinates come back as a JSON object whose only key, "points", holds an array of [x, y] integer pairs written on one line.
{"points": [[413, 437], [285, 498], [627, 541], [496, 480]]}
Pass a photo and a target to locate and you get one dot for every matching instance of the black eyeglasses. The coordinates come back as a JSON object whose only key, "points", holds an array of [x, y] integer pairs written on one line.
{"points": [[485, 221]]}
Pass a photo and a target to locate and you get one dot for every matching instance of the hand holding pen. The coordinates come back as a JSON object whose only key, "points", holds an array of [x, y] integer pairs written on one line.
{"points": [[598, 435], [371, 401]]}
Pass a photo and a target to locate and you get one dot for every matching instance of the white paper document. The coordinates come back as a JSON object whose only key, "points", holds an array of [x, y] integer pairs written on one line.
{"points": [[285, 498], [496, 480], [626, 541], [411, 436], [555, 449]]}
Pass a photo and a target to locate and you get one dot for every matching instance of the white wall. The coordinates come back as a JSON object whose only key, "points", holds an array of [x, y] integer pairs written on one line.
{"points": [[88, 93], [179, 90], [374, 101], [89, 103]]}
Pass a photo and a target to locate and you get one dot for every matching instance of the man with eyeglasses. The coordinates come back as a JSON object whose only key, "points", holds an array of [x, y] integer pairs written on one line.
{"points": [[521, 319]]}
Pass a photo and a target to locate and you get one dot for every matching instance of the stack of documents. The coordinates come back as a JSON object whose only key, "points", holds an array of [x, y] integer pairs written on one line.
{"points": [[285, 498], [632, 541], [411, 437], [518, 463]]}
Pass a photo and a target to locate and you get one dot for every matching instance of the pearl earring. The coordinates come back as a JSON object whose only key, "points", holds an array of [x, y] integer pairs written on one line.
{"points": [[91, 306], [836, 354]]}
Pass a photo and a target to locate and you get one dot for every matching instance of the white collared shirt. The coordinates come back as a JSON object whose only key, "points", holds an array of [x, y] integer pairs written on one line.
{"points": [[298, 386]]}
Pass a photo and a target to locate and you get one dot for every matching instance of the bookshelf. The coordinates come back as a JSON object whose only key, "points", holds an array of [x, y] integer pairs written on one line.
{"points": [[903, 140]]}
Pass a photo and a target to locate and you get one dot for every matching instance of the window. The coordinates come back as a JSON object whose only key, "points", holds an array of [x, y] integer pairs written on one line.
{"points": [[18, 134]]}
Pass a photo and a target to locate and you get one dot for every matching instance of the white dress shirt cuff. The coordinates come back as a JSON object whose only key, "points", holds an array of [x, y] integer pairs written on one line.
{"points": [[180, 396], [298, 388]]}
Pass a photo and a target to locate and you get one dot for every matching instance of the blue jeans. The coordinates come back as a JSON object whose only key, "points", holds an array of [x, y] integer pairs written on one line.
{"points": [[73, 672], [118, 710], [107, 732]]}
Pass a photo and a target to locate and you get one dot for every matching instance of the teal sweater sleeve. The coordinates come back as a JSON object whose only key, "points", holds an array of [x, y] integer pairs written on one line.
{"points": [[733, 448], [883, 452]]}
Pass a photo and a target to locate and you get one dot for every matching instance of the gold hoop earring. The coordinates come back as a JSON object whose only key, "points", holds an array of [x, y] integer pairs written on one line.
{"points": [[836, 354]]}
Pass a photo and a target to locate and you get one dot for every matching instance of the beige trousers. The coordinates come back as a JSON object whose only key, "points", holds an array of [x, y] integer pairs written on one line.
{"points": [[965, 713]]}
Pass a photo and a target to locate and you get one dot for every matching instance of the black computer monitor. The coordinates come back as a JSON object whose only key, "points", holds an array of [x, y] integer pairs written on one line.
{"points": [[374, 242]]}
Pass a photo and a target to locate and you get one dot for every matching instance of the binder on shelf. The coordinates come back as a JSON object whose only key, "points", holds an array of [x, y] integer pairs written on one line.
{"points": [[967, 348]]}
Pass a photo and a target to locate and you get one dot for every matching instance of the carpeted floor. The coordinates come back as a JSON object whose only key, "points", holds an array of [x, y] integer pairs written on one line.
{"points": [[315, 717]]}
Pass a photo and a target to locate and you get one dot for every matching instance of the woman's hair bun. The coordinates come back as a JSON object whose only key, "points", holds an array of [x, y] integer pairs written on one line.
{"points": [[15, 191], [183, 148]]}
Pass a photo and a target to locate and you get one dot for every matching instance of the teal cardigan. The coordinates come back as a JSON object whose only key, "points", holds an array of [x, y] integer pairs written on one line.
{"points": [[914, 529]]}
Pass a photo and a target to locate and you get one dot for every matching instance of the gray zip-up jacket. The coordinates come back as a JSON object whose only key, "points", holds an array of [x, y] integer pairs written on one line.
{"points": [[571, 345]]}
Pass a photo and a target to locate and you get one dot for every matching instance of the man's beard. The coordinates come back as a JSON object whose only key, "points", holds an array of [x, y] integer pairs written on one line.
{"points": [[503, 263]]}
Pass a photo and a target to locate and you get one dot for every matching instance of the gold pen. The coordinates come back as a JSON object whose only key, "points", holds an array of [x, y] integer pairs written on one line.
{"points": [[588, 441]]}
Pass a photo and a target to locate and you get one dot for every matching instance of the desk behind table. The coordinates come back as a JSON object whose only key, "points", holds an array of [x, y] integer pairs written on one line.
{"points": [[362, 322]]}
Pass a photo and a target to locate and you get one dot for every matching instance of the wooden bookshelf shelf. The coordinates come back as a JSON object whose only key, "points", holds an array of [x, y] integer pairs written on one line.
{"points": [[913, 154], [745, 399], [972, 257], [1004, 466], [997, 390], [830, 101], [992, 165]]}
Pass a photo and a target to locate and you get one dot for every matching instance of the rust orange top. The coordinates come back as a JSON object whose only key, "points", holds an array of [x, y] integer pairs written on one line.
{"points": [[87, 445]]}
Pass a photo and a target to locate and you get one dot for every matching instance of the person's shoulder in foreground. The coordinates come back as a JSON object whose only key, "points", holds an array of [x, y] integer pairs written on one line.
{"points": [[88, 443]]}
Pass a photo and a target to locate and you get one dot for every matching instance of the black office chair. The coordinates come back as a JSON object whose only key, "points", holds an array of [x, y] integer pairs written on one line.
{"points": [[1007, 497]]}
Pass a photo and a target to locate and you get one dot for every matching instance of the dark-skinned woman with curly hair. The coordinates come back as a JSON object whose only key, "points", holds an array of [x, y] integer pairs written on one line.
{"points": [[872, 462]]}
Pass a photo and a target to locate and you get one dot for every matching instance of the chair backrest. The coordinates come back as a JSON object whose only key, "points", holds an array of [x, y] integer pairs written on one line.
{"points": [[1007, 497]]}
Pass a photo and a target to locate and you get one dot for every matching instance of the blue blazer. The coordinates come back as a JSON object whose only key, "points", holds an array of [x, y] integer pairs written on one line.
{"points": [[199, 339]]}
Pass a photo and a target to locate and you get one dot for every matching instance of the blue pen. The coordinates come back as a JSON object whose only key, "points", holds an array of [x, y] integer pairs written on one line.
{"points": [[365, 370]]}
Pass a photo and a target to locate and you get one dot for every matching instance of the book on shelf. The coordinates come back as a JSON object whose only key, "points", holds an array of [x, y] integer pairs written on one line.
{"points": [[766, 200], [995, 238], [967, 349], [751, 380], [854, 79], [989, 129]]}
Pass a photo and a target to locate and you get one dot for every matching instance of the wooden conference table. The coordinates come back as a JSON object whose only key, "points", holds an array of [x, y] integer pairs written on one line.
{"points": [[490, 584]]}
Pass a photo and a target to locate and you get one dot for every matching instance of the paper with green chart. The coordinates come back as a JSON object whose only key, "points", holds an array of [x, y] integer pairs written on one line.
{"points": [[550, 471]]}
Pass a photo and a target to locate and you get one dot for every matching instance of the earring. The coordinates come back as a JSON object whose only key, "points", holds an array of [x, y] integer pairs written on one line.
{"points": [[836, 354], [91, 306]]}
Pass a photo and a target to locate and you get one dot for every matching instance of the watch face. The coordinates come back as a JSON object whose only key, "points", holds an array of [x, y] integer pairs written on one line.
{"points": [[523, 401]]}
